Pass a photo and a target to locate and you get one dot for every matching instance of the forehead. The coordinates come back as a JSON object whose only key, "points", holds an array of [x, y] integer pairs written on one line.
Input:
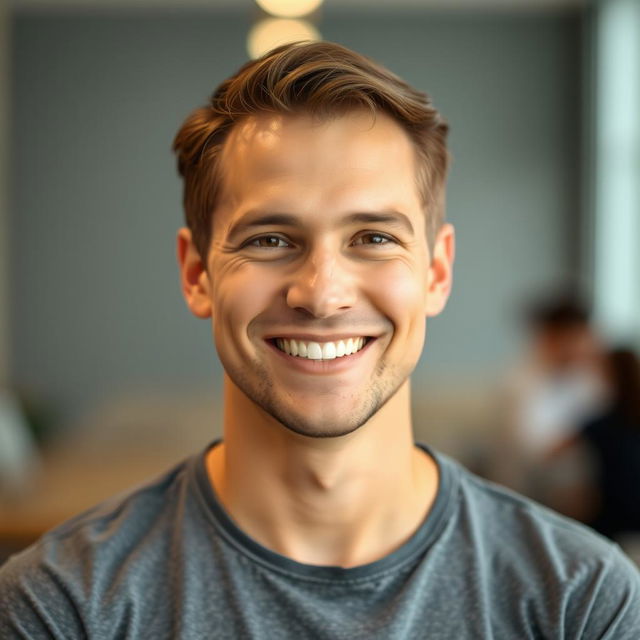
{"points": [[357, 149], [320, 172]]}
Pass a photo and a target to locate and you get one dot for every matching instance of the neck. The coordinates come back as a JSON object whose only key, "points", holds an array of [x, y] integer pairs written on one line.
{"points": [[341, 501]]}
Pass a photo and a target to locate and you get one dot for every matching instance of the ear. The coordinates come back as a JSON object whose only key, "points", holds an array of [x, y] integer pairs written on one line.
{"points": [[194, 279], [440, 274]]}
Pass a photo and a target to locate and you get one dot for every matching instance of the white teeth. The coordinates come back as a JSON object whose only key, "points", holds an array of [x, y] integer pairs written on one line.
{"points": [[328, 351], [314, 351], [320, 351]]}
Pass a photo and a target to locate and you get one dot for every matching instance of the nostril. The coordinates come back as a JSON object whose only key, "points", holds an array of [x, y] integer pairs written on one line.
{"points": [[321, 288]]}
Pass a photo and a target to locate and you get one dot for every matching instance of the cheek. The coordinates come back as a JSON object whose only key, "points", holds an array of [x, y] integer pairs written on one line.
{"points": [[400, 294], [399, 291], [239, 297]]}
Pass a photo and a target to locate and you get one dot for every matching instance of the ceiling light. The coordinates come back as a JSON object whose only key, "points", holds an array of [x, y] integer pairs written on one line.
{"points": [[272, 32], [289, 8]]}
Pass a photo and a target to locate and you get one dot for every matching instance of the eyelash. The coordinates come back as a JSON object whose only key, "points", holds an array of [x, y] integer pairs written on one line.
{"points": [[254, 242], [385, 240]]}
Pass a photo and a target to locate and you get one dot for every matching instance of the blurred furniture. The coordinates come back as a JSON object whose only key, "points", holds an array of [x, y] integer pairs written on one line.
{"points": [[117, 447]]}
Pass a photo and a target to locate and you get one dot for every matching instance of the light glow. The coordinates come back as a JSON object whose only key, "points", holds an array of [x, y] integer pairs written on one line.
{"points": [[289, 8], [273, 32]]}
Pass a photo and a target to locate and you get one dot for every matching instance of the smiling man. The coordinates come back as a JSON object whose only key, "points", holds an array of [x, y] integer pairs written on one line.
{"points": [[316, 245]]}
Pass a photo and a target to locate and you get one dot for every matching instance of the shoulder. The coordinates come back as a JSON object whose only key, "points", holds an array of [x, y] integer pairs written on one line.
{"points": [[563, 571], [66, 576], [523, 527]]}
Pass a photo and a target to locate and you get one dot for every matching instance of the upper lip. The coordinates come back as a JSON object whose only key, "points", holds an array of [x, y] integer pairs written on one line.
{"points": [[307, 337]]}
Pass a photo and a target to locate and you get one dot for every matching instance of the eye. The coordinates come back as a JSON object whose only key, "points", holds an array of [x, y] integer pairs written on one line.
{"points": [[268, 242], [373, 238]]}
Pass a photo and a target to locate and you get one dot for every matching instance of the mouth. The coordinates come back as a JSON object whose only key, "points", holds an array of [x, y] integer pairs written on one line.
{"points": [[310, 350]]}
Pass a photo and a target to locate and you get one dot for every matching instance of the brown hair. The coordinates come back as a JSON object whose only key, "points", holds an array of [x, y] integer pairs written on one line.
{"points": [[320, 78]]}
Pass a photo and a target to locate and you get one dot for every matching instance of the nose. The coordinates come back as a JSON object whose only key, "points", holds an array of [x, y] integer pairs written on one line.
{"points": [[322, 286]]}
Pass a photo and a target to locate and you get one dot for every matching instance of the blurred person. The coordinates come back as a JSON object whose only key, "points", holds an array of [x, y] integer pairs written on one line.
{"points": [[316, 244], [613, 440], [557, 386]]}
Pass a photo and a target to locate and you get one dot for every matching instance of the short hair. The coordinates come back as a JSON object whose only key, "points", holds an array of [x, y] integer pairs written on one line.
{"points": [[320, 78]]}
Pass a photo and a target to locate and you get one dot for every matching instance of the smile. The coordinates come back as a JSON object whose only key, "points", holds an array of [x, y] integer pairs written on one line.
{"points": [[320, 350]]}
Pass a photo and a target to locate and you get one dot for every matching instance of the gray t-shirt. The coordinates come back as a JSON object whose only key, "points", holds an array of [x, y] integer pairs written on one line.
{"points": [[166, 561]]}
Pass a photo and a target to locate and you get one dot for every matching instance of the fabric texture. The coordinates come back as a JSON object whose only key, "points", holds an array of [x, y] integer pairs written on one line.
{"points": [[166, 561]]}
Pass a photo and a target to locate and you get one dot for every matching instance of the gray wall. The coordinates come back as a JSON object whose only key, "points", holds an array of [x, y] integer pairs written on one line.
{"points": [[5, 51], [95, 302]]}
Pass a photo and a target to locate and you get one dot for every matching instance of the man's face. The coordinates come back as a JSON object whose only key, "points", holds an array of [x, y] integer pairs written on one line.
{"points": [[319, 278]]}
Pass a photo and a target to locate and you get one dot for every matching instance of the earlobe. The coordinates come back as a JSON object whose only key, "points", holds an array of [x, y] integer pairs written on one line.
{"points": [[440, 271], [194, 279]]}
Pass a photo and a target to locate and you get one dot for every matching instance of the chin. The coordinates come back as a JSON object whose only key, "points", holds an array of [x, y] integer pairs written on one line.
{"points": [[321, 421], [326, 417], [326, 428]]}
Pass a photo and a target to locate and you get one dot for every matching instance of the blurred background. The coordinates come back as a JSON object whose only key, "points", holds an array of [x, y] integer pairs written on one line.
{"points": [[106, 378]]}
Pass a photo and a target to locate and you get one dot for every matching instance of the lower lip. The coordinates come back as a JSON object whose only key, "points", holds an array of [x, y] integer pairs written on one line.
{"points": [[321, 367]]}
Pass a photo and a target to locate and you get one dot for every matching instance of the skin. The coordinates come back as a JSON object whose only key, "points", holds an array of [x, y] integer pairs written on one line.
{"points": [[320, 234]]}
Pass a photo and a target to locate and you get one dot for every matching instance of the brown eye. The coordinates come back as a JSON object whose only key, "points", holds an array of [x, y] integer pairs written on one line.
{"points": [[269, 242], [373, 238]]}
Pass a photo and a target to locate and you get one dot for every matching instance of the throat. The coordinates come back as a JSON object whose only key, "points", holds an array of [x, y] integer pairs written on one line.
{"points": [[347, 521]]}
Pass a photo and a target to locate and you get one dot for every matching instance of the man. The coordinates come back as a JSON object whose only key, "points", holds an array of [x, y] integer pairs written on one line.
{"points": [[315, 241], [556, 387]]}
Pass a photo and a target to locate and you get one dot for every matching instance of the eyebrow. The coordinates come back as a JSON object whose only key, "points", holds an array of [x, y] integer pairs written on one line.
{"points": [[394, 218]]}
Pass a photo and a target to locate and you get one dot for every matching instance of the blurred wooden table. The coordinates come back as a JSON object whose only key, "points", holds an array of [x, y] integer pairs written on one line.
{"points": [[70, 481], [120, 450]]}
